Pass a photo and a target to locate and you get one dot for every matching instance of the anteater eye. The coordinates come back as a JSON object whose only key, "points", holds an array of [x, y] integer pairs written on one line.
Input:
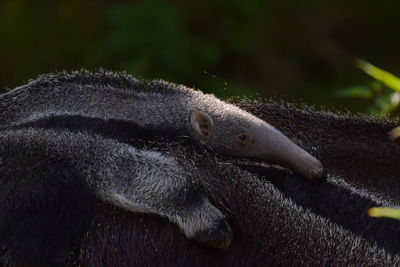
{"points": [[242, 138]]}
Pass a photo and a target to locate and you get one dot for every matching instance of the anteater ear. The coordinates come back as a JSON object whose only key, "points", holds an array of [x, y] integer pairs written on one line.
{"points": [[202, 124]]}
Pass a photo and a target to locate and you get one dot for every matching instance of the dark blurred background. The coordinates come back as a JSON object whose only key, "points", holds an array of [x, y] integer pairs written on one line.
{"points": [[285, 49]]}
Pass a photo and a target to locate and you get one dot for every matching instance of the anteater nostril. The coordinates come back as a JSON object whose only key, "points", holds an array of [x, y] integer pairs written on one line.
{"points": [[319, 175]]}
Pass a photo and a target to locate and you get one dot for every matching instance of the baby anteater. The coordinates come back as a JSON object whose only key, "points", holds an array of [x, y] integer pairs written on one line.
{"points": [[94, 125]]}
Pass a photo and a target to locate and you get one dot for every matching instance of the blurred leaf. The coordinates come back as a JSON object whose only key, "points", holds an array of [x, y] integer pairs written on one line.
{"points": [[355, 92], [394, 133], [384, 212], [395, 99], [376, 86], [381, 75], [388, 102]]}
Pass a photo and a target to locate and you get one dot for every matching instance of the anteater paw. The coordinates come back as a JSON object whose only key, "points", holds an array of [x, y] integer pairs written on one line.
{"points": [[219, 236]]}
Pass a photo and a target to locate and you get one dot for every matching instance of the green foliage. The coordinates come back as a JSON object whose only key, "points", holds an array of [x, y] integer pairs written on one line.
{"points": [[383, 76], [379, 212], [383, 91], [285, 49], [356, 92]]}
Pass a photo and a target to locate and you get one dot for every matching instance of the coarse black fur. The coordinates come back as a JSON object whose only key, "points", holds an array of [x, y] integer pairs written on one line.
{"points": [[158, 105], [121, 130], [48, 215], [44, 208], [277, 218], [355, 148]]}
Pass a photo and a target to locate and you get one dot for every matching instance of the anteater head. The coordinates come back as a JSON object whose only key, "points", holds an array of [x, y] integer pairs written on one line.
{"points": [[235, 132]]}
